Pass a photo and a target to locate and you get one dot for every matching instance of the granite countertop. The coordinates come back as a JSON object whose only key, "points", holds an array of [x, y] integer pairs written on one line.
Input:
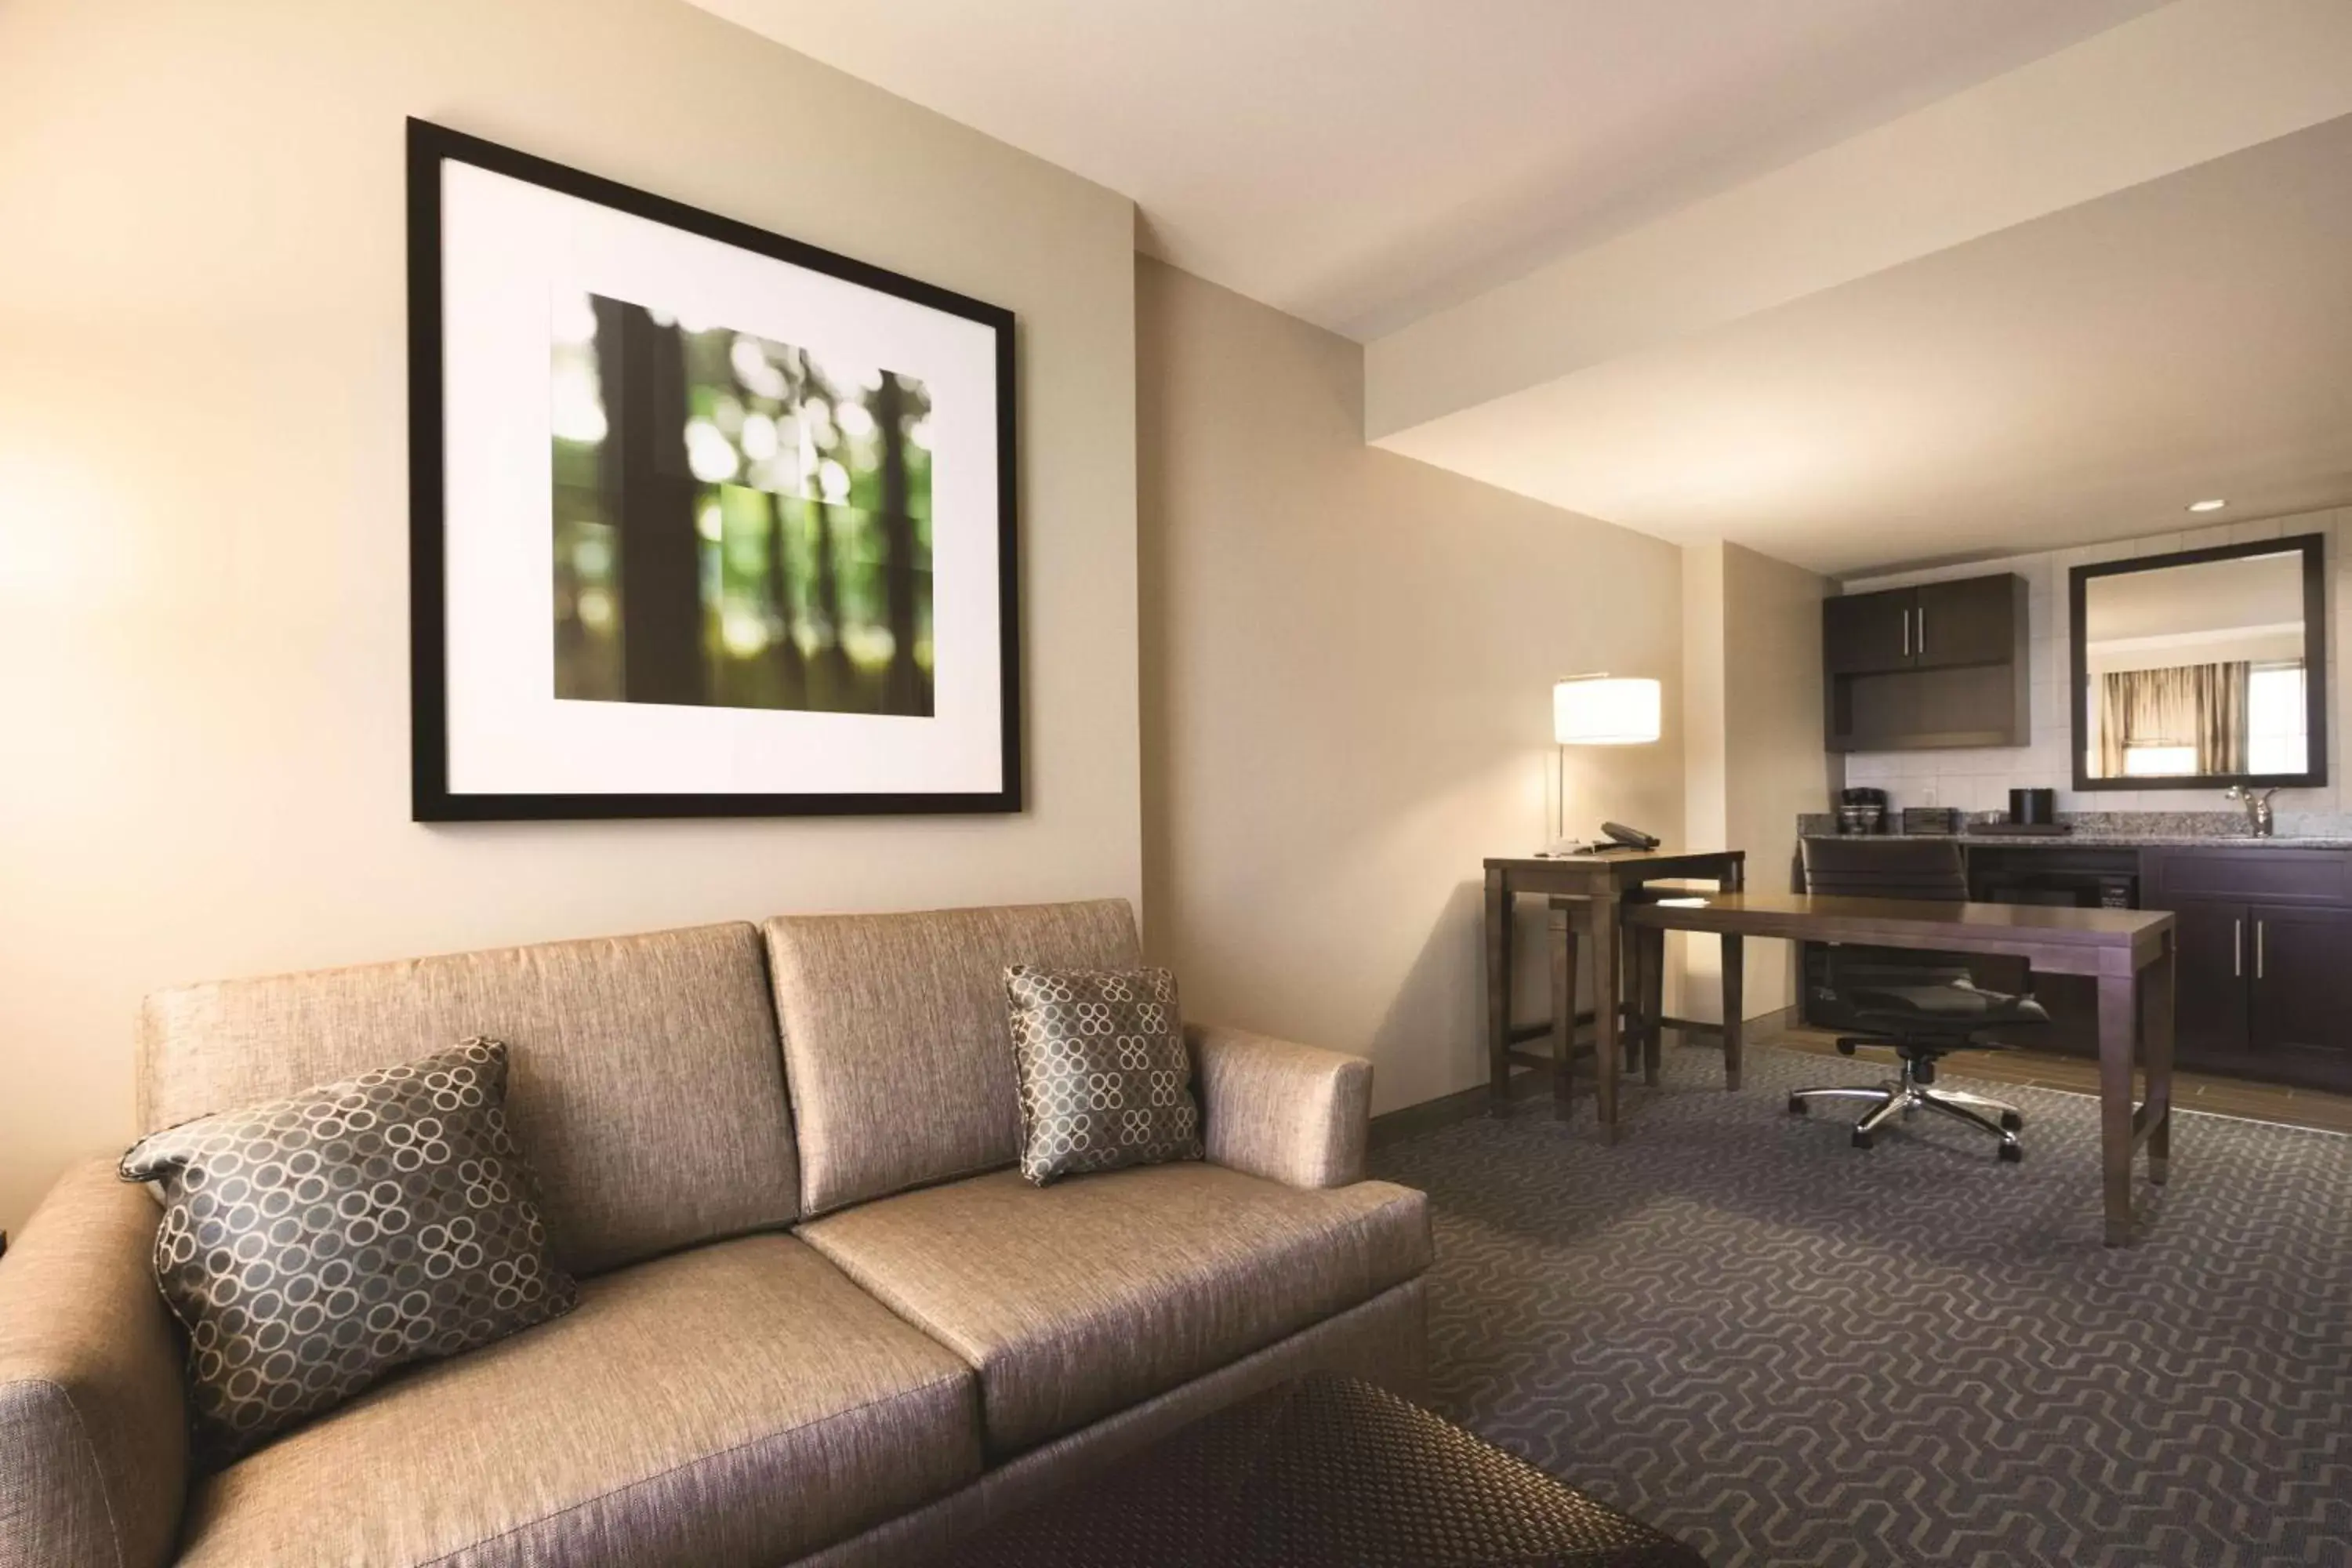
{"points": [[2134, 830], [2095, 840]]}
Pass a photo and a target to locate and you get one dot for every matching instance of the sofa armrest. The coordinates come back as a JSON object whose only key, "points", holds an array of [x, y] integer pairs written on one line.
{"points": [[1291, 1113], [93, 1423]]}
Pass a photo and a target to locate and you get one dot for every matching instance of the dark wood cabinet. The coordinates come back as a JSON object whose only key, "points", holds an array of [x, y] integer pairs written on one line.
{"points": [[1864, 633], [2265, 970], [2210, 1019], [1944, 664], [2263, 944], [2301, 1021], [1972, 621]]}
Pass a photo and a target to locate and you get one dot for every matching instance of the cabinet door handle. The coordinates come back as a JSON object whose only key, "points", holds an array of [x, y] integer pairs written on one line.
{"points": [[2237, 950], [2258, 948], [1923, 631], [1906, 634]]}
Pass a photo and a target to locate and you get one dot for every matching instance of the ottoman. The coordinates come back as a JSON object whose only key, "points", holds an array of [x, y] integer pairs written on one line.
{"points": [[1325, 1470]]}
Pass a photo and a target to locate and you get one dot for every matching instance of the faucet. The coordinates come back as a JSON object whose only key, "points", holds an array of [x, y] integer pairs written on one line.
{"points": [[2259, 821]]}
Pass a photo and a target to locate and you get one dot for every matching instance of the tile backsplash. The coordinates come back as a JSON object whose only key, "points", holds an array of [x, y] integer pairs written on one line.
{"points": [[1980, 779]]}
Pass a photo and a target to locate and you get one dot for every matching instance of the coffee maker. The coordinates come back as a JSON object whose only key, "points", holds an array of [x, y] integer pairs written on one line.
{"points": [[1862, 810]]}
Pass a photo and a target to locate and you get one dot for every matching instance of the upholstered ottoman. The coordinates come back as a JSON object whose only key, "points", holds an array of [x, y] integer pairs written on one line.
{"points": [[1325, 1471]]}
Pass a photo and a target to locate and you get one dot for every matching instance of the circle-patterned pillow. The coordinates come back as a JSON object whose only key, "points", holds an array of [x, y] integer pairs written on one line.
{"points": [[312, 1244], [1105, 1079]]}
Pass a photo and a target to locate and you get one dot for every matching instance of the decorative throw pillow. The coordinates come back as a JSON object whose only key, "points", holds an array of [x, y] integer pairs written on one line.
{"points": [[1105, 1079], [312, 1244]]}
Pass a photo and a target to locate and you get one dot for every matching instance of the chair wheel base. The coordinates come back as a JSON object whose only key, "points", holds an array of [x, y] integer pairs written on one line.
{"points": [[2010, 1122], [2011, 1153], [1795, 1105], [1863, 1139]]}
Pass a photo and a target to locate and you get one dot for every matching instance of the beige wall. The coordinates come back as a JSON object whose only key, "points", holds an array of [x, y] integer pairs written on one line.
{"points": [[204, 705], [1752, 669], [1348, 660]]}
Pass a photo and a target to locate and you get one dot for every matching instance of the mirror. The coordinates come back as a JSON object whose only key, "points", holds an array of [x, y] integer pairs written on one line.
{"points": [[2203, 669]]}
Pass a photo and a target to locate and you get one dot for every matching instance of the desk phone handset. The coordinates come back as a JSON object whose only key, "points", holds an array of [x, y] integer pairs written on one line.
{"points": [[1620, 837]]}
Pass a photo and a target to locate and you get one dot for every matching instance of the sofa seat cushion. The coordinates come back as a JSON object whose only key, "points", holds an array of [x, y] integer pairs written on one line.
{"points": [[1078, 1300], [738, 1405]]}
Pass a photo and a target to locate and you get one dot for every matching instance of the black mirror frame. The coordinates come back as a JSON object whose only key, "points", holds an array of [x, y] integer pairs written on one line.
{"points": [[2314, 547]]}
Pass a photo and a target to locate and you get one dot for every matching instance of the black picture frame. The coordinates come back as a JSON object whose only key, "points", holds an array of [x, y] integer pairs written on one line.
{"points": [[430, 147], [2314, 548]]}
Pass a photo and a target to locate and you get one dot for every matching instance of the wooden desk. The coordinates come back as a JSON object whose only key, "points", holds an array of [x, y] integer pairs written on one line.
{"points": [[2128, 952], [1587, 892]]}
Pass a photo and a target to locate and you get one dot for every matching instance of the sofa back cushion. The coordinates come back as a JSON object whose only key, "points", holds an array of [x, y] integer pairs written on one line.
{"points": [[644, 1082], [895, 1038]]}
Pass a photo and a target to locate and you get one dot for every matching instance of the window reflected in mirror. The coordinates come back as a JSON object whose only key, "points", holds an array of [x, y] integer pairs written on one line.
{"points": [[2196, 671]]}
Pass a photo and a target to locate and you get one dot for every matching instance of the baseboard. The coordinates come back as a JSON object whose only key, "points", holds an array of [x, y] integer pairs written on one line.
{"points": [[1413, 1121], [1429, 1115]]}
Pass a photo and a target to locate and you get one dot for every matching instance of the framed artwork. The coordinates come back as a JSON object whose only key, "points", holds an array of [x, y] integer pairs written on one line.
{"points": [[705, 521]]}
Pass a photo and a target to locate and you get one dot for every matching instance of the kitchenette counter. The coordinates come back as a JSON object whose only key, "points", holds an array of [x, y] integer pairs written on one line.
{"points": [[2100, 839], [2133, 830], [2263, 928]]}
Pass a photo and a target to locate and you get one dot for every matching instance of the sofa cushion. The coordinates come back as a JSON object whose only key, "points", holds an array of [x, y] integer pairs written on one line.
{"points": [[733, 1406], [643, 1079], [311, 1245], [1078, 1300], [895, 1038], [1105, 1079]]}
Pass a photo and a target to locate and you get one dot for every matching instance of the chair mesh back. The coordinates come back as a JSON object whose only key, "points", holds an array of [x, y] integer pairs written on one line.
{"points": [[1886, 867]]}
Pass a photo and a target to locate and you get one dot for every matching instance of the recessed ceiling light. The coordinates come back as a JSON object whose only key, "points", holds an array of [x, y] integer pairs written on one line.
{"points": [[2207, 505]]}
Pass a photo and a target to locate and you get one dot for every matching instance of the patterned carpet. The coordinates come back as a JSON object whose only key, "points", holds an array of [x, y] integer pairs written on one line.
{"points": [[1787, 1350]]}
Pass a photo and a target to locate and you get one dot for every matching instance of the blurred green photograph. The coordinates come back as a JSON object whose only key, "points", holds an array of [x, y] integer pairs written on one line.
{"points": [[737, 524]]}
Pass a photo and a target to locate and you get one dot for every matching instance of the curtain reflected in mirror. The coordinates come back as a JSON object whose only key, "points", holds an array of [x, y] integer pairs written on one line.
{"points": [[2195, 670]]}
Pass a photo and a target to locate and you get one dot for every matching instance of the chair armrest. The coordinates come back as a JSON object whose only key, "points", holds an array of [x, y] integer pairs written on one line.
{"points": [[1291, 1113], [93, 1421]]}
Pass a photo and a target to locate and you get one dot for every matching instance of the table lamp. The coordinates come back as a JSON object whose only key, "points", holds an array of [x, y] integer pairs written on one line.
{"points": [[1599, 710]]}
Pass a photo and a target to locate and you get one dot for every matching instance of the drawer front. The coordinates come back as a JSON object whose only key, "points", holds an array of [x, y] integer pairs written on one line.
{"points": [[2301, 877]]}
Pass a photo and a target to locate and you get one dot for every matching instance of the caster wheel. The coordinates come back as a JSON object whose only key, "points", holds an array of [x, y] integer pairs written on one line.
{"points": [[1796, 1106], [2010, 1122], [2011, 1153], [1863, 1139]]}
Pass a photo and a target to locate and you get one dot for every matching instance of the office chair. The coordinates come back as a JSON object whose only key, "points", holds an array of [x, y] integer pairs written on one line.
{"points": [[1924, 1011]]}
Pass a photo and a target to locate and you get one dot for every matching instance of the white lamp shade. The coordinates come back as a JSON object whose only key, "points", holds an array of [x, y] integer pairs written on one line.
{"points": [[1605, 710]]}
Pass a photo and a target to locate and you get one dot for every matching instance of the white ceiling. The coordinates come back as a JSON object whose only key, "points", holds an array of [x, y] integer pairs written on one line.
{"points": [[1857, 283], [2080, 377], [1359, 163]]}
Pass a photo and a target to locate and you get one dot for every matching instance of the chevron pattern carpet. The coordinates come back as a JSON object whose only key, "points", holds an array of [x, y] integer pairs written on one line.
{"points": [[1787, 1350]]}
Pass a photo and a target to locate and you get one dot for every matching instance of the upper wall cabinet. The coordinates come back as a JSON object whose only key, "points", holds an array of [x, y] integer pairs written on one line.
{"points": [[1945, 664], [1864, 633], [1977, 620]]}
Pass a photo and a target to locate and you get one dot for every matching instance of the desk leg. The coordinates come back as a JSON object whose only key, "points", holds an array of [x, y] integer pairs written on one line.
{"points": [[1735, 984], [1559, 939], [2118, 1034], [1604, 931], [1650, 963], [2158, 1005], [1734, 1007], [1498, 991]]}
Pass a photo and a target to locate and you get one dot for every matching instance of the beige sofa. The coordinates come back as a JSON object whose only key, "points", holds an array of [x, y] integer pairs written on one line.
{"points": [[821, 1319]]}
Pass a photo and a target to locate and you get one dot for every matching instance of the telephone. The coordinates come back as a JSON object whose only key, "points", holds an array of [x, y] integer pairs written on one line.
{"points": [[1620, 837]]}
